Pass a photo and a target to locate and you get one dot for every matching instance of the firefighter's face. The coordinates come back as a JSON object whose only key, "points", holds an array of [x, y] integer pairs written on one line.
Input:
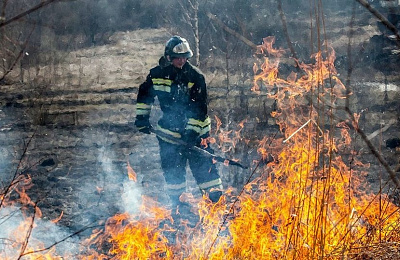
{"points": [[179, 62]]}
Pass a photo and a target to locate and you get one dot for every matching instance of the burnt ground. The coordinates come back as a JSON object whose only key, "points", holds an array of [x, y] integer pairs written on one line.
{"points": [[76, 124]]}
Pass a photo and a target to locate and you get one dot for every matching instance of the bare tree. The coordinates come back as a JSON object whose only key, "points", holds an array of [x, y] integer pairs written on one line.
{"points": [[15, 37], [191, 14]]}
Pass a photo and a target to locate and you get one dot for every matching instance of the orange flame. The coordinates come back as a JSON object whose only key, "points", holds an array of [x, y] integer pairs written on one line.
{"points": [[135, 237], [131, 173], [58, 218], [308, 204], [227, 140], [21, 244]]}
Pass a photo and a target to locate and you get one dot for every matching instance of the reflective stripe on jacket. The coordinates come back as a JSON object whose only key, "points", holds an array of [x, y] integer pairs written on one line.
{"points": [[182, 96]]}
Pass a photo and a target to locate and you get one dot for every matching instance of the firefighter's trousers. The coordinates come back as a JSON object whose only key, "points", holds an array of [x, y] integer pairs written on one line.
{"points": [[173, 162]]}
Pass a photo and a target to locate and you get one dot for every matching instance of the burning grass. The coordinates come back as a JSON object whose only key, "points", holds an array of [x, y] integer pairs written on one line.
{"points": [[311, 202], [23, 234]]}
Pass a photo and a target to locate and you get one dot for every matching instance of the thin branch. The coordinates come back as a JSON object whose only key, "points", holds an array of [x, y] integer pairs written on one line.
{"points": [[28, 235], [60, 241], [283, 19], [373, 150], [14, 179], [382, 129], [382, 18], [23, 14], [20, 54], [295, 132], [371, 147], [191, 18], [229, 30]]}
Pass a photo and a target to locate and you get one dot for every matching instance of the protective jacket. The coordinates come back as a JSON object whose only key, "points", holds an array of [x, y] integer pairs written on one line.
{"points": [[182, 95]]}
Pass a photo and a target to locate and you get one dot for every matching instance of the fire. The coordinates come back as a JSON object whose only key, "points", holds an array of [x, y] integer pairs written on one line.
{"points": [[307, 204], [21, 242], [131, 173], [134, 237], [311, 202], [227, 140]]}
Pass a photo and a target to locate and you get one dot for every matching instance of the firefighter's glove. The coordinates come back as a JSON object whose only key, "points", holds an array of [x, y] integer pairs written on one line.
{"points": [[190, 137], [142, 123]]}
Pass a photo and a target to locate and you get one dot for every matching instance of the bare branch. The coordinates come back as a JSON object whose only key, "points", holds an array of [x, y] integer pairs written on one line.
{"points": [[28, 235], [381, 18], [283, 19], [23, 14], [229, 30], [62, 240], [19, 56], [190, 14], [14, 179], [373, 150], [383, 129], [365, 138], [185, 12]]}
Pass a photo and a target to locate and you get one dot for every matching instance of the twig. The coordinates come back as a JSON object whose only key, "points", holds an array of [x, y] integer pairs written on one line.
{"points": [[373, 150], [233, 204], [229, 30], [33, 9], [348, 91], [28, 235], [14, 179], [381, 130], [289, 42], [295, 132], [382, 18], [60, 241], [20, 54]]}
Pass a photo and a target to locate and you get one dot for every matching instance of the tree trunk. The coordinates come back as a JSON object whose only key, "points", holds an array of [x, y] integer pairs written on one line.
{"points": [[195, 25]]}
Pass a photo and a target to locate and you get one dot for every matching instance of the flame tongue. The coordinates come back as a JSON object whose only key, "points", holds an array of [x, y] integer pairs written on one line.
{"points": [[20, 221], [131, 173], [311, 196], [307, 204]]}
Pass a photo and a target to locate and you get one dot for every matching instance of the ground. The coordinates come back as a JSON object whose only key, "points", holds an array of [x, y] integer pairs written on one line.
{"points": [[77, 125]]}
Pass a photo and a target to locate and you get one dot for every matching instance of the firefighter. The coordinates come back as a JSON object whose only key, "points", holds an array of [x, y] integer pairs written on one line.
{"points": [[181, 91]]}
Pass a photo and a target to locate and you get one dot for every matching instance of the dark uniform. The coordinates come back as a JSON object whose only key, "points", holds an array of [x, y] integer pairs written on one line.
{"points": [[182, 96]]}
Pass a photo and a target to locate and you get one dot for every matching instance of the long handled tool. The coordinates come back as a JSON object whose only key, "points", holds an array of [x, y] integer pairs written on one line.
{"points": [[196, 148]]}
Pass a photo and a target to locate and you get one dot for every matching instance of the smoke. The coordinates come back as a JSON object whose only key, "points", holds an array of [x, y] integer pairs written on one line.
{"points": [[97, 197], [104, 192], [15, 226], [128, 199], [5, 159], [14, 231], [131, 197]]}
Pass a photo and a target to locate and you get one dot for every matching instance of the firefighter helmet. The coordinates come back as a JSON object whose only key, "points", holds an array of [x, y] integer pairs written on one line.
{"points": [[177, 47]]}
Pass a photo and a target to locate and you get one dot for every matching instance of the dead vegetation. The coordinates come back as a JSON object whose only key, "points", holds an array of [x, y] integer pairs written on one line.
{"points": [[93, 88]]}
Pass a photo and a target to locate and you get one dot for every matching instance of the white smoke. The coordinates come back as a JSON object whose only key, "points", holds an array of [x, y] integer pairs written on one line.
{"points": [[130, 195], [44, 234]]}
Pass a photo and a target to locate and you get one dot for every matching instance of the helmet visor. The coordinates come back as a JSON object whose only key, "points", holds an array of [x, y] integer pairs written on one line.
{"points": [[181, 48]]}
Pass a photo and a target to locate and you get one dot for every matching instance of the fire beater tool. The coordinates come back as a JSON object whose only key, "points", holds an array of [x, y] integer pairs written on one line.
{"points": [[197, 149]]}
